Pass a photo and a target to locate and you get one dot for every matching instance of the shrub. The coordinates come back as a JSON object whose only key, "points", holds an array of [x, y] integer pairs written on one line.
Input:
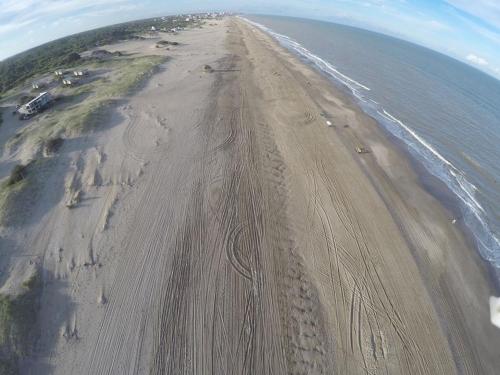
{"points": [[167, 42], [18, 316], [18, 174], [71, 58], [52, 145]]}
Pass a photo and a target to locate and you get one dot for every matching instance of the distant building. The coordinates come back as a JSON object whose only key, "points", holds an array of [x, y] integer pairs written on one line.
{"points": [[38, 85], [59, 73], [39, 103], [153, 28], [80, 73], [67, 82]]}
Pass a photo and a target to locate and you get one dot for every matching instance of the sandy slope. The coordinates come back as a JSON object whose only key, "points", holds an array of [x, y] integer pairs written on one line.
{"points": [[225, 229]]}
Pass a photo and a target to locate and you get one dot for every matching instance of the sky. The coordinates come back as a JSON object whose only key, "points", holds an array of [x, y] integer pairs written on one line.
{"points": [[468, 30]]}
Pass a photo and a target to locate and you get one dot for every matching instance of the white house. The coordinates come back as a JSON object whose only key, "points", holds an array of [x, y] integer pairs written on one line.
{"points": [[38, 103]]}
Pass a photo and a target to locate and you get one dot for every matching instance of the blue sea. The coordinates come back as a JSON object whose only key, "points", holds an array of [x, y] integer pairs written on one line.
{"points": [[446, 113]]}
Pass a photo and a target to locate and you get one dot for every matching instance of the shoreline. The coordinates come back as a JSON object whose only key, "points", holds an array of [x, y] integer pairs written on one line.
{"points": [[431, 183], [450, 202], [437, 189], [419, 181]]}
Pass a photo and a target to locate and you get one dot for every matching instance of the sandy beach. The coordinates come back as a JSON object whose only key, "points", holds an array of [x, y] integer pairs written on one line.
{"points": [[227, 225]]}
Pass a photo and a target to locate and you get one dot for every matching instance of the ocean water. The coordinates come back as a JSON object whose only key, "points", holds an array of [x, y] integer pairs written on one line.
{"points": [[446, 113]]}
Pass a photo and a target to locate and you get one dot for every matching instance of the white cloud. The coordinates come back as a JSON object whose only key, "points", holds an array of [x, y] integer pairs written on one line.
{"points": [[45, 20], [436, 25], [486, 32], [13, 6], [14, 26], [487, 10], [476, 60], [16, 15]]}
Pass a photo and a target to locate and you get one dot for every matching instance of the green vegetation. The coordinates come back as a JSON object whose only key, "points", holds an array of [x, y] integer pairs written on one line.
{"points": [[64, 52], [21, 190], [52, 145], [18, 174], [71, 58], [8, 367], [167, 43], [7, 193], [18, 315], [12, 188], [75, 119], [71, 121]]}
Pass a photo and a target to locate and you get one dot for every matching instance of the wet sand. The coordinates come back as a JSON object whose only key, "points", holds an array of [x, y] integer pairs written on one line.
{"points": [[226, 229]]}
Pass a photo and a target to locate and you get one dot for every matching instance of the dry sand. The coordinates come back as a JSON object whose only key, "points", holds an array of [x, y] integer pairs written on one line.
{"points": [[224, 228]]}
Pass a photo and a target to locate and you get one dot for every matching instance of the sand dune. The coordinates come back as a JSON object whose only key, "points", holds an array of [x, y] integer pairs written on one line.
{"points": [[223, 223]]}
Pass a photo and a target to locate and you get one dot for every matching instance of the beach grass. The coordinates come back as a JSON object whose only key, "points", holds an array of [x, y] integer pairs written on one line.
{"points": [[11, 189], [85, 111], [18, 316], [90, 100], [21, 189], [82, 112]]}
